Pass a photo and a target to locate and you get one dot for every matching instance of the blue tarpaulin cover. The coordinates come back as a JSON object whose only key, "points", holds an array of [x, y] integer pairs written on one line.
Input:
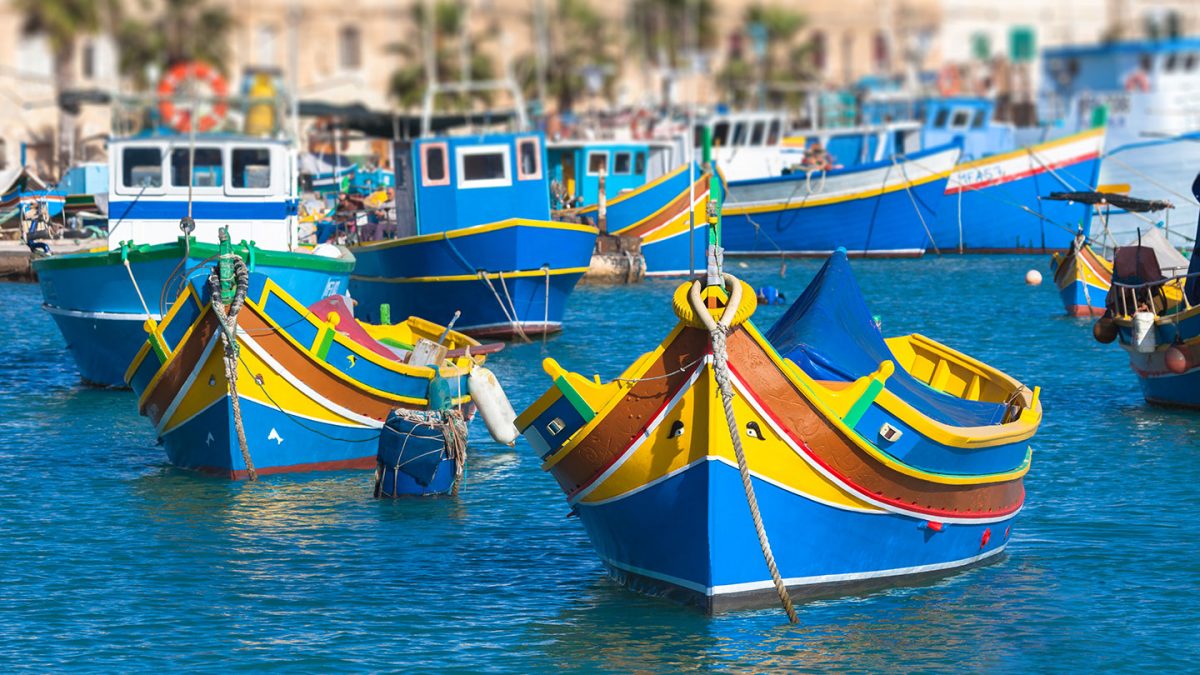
{"points": [[829, 332]]}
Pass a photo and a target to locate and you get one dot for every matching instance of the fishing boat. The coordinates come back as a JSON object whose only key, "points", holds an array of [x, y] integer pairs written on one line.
{"points": [[992, 200], [22, 190], [1154, 314], [1083, 275], [474, 234], [646, 195], [242, 379], [728, 466], [880, 209], [1144, 92]]}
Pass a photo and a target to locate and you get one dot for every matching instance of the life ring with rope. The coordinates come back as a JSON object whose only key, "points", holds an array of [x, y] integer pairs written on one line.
{"points": [[1137, 81], [179, 117]]}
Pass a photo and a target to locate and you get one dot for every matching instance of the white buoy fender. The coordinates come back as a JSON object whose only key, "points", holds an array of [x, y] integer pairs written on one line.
{"points": [[493, 405], [1143, 332], [1033, 278]]}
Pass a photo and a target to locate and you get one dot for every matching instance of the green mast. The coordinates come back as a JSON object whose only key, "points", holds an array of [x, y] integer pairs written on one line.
{"points": [[715, 253]]}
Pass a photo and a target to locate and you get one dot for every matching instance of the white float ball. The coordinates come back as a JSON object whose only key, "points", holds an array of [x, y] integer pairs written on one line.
{"points": [[1033, 278]]}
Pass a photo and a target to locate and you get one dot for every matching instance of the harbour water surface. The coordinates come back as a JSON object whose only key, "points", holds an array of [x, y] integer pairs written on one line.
{"points": [[111, 559]]}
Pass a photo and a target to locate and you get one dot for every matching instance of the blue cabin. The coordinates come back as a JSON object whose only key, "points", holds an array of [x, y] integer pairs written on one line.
{"points": [[576, 167], [451, 183], [969, 121]]}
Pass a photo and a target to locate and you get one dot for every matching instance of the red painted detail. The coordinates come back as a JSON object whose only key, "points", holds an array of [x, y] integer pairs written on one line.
{"points": [[338, 465], [507, 331], [1007, 531], [934, 525], [987, 535], [971, 187], [1084, 311], [868, 494]]}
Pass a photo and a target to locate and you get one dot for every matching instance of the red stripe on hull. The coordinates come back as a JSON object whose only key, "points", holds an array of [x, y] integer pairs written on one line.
{"points": [[1084, 311], [338, 465]]}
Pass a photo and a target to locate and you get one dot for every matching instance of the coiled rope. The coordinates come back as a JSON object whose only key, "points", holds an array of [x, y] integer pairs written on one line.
{"points": [[718, 332], [227, 317]]}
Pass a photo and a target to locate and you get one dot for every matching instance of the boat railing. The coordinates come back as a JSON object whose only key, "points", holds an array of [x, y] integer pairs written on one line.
{"points": [[1151, 295]]}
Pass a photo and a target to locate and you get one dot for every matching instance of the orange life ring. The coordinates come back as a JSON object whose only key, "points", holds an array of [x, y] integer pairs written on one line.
{"points": [[180, 117], [1137, 81], [948, 81]]}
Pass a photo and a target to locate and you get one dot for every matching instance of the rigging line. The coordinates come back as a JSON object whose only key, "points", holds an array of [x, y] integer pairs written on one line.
{"points": [[912, 198], [1186, 198]]}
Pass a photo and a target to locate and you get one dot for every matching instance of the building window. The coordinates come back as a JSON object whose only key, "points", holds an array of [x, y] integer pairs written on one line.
{"points": [[597, 163], [818, 50], [265, 44], [206, 168], [484, 166], [350, 48], [87, 60], [141, 168], [529, 159], [433, 165], [251, 168], [622, 163], [883, 55]]}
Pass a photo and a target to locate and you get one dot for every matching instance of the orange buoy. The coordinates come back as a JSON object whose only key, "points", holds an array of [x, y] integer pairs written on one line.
{"points": [[1177, 360], [1104, 330], [191, 73]]}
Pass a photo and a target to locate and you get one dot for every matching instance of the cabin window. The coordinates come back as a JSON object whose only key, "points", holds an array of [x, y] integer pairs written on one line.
{"points": [[433, 165], [484, 166], [207, 169], [1170, 63], [141, 167], [622, 162], [251, 168], [939, 120], [961, 119], [980, 119], [1189, 61], [721, 133], [773, 133], [597, 163], [529, 159], [756, 136], [739, 134], [639, 163], [697, 135]]}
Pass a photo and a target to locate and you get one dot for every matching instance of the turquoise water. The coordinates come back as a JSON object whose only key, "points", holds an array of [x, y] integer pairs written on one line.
{"points": [[110, 559]]}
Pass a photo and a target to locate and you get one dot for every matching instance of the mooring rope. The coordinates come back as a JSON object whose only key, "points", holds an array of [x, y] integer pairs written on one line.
{"points": [[228, 321], [718, 331], [546, 307], [911, 198], [515, 321]]}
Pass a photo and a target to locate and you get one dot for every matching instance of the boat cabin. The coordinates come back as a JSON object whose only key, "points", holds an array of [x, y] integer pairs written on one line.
{"points": [[969, 121], [244, 182], [577, 166], [454, 182]]}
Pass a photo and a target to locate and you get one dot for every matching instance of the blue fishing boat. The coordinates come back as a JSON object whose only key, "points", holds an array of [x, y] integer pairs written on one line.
{"points": [[881, 209], [731, 468], [163, 228], [1153, 312], [993, 200], [474, 235]]}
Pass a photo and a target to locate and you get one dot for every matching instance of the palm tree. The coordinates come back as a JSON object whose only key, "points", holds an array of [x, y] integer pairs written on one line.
{"points": [[183, 30], [62, 22], [781, 61], [409, 82]]}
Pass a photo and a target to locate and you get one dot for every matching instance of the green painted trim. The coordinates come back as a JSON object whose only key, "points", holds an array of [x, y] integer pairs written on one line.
{"points": [[576, 400], [863, 403], [171, 251], [392, 342], [159, 349], [325, 343]]}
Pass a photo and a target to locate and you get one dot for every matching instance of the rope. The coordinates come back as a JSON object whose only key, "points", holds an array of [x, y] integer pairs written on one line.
{"points": [[718, 331], [516, 324], [138, 289], [228, 320], [546, 307], [911, 198]]}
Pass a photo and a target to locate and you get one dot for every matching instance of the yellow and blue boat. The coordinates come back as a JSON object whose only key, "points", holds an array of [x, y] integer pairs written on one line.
{"points": [[311, 387], [866, 461]]}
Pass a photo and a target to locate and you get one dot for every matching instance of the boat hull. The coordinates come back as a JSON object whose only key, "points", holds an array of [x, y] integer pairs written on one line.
{"points": [[879, 210], [986, 200], [98, 310], [506, 278], [1083, 280]]}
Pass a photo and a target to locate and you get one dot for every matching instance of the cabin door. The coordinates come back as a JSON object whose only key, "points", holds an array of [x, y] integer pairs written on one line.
{"points": [[406, 212]]}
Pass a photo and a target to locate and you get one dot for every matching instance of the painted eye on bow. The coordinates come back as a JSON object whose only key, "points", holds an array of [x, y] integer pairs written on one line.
{"points": [[753, 431], [676, 429]]}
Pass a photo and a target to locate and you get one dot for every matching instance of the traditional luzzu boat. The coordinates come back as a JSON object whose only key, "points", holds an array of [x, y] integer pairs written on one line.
{"points": [[241, 379], [163, 225], [1082, 275], [728, 466], [666, 213], [880, 209], [475, 236], [1155, 317]]}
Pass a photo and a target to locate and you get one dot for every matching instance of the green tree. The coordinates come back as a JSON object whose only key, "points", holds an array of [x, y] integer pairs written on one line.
{"points": [[783, 62], [409, 82], [180, 30], [63, 22]]}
